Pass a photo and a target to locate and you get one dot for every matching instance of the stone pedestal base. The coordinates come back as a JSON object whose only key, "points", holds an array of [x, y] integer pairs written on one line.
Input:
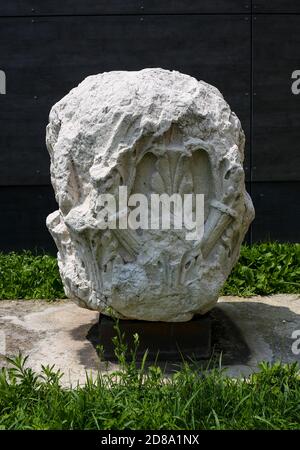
{"points": [[164, 340]]}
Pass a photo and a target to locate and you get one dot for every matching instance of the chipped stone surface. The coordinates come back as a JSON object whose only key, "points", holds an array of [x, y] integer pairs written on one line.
{"points": [[154, 131], [245, 330]]}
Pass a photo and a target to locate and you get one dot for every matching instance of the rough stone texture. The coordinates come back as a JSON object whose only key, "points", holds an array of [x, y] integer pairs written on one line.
{"points": [[155, 131], [246, 331]]}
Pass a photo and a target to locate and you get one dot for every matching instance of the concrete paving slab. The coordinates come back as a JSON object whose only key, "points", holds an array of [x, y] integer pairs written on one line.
{"points": [[245, 330]]}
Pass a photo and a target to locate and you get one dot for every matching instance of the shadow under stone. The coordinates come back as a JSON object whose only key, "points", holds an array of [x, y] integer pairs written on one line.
{"points": [[88, 355], [226, 341]]}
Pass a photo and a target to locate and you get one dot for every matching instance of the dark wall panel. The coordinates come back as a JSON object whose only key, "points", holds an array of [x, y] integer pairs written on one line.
{"points": [[53, 45], [23, 214], [71, 7], [45, 58], [276, 122], [277, 209], [276, 6]]}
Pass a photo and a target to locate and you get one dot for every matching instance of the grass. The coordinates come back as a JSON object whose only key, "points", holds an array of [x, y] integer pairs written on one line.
{"points": [[28, 275], [262, 269], [139, 398]]}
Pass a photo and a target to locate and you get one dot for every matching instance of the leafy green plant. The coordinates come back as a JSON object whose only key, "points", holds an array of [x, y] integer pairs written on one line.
{"points": [[28, 275], [266, 268], [140, 397]]}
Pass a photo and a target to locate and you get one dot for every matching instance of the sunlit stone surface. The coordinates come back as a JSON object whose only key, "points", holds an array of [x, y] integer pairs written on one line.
{"points": [[154, 131]]}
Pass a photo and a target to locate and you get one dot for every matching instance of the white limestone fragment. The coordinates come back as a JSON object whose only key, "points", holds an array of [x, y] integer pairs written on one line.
{"points": [[154, 131]]}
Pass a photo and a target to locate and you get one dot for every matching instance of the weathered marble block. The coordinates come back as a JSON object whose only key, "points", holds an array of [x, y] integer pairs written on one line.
{"points": [[154, 131]]}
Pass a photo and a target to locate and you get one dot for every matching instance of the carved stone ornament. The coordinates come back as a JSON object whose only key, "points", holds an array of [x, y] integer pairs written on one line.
{"points": [[153, 131]]}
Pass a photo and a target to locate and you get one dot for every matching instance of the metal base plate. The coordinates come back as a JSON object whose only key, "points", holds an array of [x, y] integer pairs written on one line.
{"points": [[169, 341]]}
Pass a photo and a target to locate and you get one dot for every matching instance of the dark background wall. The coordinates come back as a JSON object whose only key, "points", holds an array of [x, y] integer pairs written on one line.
{"points": [[247, 49]]}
